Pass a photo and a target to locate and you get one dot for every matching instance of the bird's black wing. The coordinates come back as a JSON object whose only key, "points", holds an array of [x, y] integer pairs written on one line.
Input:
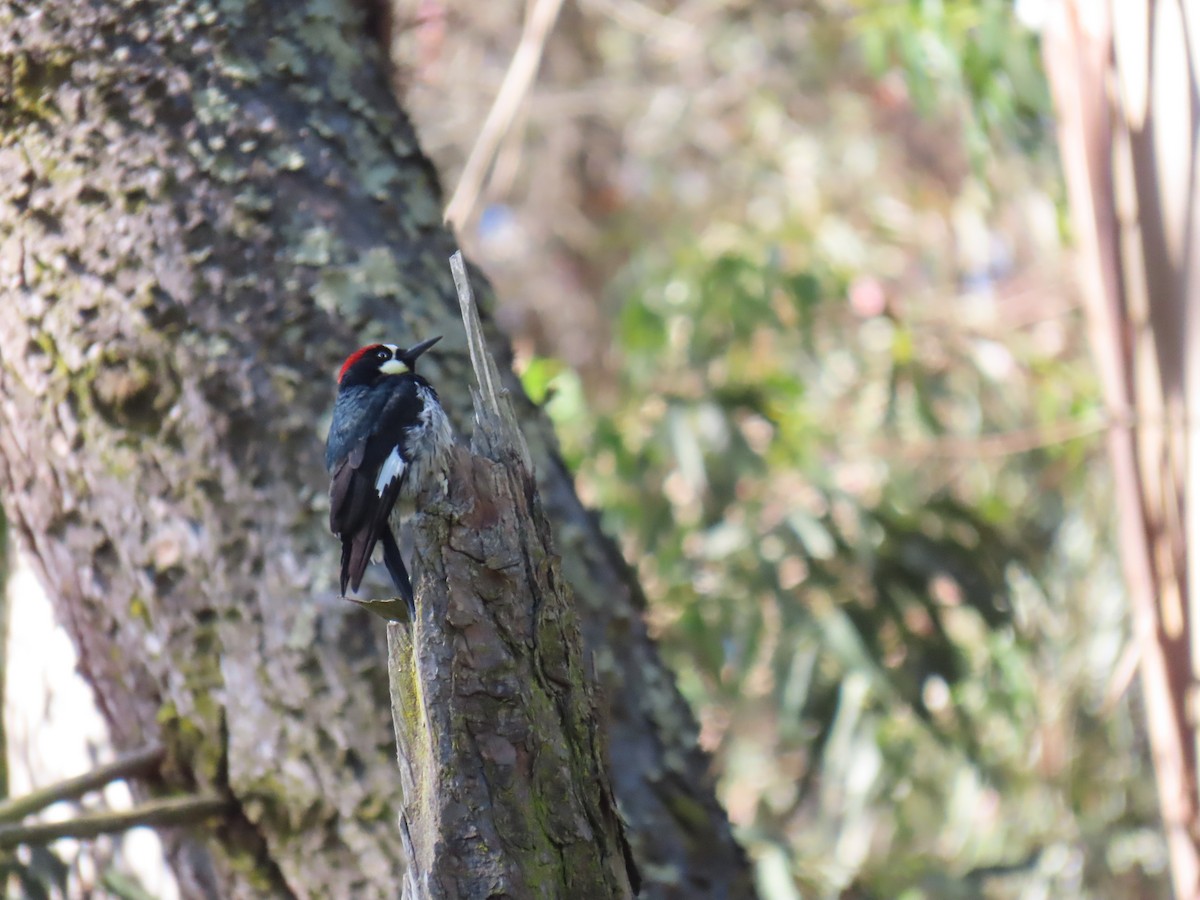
{"points": [[387, 459], [367, 482], [348, 501], [351, 509]]}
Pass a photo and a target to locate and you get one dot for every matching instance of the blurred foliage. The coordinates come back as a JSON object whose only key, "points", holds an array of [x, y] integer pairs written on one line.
{"points": [[885, 630], [870, 554], [962, 56], [844, 429], [36, 874], [95, 870]]}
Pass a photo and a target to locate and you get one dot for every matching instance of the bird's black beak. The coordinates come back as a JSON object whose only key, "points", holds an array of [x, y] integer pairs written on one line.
{"points": [[410, 355]]}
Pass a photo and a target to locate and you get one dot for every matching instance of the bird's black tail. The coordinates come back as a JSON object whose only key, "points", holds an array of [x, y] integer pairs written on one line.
{"points": [[395, 566], [349, 554]]}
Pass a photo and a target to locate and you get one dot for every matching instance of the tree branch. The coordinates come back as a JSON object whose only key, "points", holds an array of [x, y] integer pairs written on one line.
{"points": [[506, 789], [156, 813], [136, 763], [513, 90]]}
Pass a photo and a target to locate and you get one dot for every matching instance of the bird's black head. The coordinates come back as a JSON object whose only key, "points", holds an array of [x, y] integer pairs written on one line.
{"points": [[366, 365]]}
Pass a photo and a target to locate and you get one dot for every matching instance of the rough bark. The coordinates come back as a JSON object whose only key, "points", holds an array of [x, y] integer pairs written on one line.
{"points": [[506, 788], [1127, 93], [203, 206], [506, 791]]}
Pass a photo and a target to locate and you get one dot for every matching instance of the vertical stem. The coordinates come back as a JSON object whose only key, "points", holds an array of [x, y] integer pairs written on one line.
{"points": [[1123, 87]]}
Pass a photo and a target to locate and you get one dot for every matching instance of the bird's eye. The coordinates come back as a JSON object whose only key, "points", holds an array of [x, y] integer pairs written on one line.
{"points": [[383, 354]]}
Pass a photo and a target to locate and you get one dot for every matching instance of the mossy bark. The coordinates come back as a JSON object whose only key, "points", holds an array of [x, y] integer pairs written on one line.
{"points": [[506, 789], [202, 205]]}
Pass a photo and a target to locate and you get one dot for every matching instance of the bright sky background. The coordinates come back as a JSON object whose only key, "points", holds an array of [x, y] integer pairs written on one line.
{"points": [[56, 732]]}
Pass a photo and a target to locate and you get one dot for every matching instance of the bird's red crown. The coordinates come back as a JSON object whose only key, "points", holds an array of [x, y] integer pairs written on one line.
{"points": [[355, 357]]}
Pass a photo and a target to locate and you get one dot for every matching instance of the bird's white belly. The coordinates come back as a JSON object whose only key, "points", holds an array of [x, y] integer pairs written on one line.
{"points": [[430, 441]]}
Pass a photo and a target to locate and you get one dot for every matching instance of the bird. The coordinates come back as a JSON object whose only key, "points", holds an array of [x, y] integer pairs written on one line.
{"points": [[387, 438]]}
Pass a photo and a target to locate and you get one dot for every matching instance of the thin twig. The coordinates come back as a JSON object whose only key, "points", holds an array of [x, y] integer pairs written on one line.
{"points": [[1122, 676], [156, 813], [1007, 443], [494, 397], [514, 88], [1024, 440], [475, 340], [136, 763]]}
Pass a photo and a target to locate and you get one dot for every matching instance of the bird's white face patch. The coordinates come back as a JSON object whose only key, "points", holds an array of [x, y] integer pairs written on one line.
{"points": [[392, 468], [393, 366]]}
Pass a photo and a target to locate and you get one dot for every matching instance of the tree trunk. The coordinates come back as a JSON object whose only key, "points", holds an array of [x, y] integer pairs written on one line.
{"points": [[1126, 93], [506, 791], [204, 207], [506, 788]]}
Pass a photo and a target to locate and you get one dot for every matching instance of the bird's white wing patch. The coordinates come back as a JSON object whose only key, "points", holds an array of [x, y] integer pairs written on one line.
{"points": [[392, 468]]}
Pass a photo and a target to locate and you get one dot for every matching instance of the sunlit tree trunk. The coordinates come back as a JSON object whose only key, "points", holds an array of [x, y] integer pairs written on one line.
{"points": [[1124, 76], [202, 207]]}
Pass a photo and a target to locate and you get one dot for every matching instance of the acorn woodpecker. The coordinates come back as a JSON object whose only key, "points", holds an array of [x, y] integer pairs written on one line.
{"points": [[388, 436]]}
